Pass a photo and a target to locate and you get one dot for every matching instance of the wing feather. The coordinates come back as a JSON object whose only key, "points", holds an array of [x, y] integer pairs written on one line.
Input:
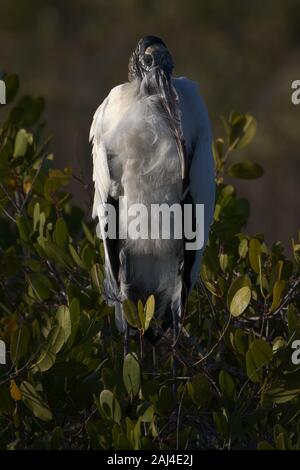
{"points": [[201, 175], [102, 182]]}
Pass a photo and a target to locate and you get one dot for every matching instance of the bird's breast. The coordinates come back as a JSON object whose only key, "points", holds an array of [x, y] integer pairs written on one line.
{"points": [[145, 166]]}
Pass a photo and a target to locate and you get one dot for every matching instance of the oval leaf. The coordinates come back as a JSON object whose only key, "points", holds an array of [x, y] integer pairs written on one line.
{"points": [[254, 254], [278, 290], [19, 343], [131, 314], [242, 130], [257, 357], [110, 406], [245, 170], [239, 295], [131, 375], [63, 318], [34, 402], [15, 392], [149, 310]]}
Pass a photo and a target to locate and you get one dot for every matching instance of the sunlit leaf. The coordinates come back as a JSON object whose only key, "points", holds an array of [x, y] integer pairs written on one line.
{"points": [[110, 406], [239, 295], [149, 310], [34, 402], [257, 357], [278, 290], [64, 320], [131, 374], [242, 130], [254, 254], [15, 391]]}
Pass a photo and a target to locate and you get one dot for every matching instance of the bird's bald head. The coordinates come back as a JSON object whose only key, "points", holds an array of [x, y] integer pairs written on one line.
{"points": [[150, 54]]}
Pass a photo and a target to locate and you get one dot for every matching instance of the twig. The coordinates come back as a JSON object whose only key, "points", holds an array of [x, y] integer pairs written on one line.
{"points": [[9, 197], [178, 417], [216, 344], [8, 215]]}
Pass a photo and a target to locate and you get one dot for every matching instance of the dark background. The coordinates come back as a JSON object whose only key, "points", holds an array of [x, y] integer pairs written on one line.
{"points": [[243, 54]]}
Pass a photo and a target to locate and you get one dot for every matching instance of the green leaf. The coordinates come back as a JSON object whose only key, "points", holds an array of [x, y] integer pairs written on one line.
{"points": [[60, 235], [87, 256], [200, 391], [131, 314], [239, 295], [34, 402], [76, 256], [45, 360], [149, 310], [57, 179], [54, 343], [264, 445], [97, 277], [243, 248], [36, 215], [110, 406], [24, 228], [254, 254], [88, 234], [284, 389], [56, 339], [141, 314], [223, 259], [257, 357], [63, 318], [278, 290], [75, 320], [278, 343], [281, 394], [241, 341], [148, 414], [166, 400], [56, 438], [221, 422], [242, 130], [19, 343], [41, 286], [42, 219], [131, 375], [281, 438], [245, 170], [56, 253], [23, 139], [227, 385]]}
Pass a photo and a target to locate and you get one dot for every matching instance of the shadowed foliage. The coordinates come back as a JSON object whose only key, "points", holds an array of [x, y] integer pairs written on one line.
{"points": [[66, 384]]}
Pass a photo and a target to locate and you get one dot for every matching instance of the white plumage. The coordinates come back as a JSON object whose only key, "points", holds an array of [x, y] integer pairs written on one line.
{"points": [[140, 134]]}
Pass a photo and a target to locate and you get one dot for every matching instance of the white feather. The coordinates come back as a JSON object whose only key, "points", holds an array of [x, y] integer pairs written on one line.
{"points": [[135, 154], [198, 138]]}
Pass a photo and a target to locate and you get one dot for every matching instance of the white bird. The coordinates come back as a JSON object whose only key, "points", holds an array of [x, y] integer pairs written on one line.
{"points": [[152, 143]]}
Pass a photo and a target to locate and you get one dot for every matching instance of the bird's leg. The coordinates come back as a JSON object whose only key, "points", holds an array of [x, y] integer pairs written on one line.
{"points": [[154, 356], [175, 307], [174, 364], [126, 340]]}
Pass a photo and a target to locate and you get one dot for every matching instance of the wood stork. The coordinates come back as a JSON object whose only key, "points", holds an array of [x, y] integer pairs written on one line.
{"points": [[152, 144]]}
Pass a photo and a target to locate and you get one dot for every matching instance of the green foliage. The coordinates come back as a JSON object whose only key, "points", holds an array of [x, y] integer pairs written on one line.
{"points": [[66, 383], [131, 375]]}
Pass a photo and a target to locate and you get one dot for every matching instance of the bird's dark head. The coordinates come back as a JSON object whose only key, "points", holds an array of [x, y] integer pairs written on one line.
{"points": [[150, 54]]}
